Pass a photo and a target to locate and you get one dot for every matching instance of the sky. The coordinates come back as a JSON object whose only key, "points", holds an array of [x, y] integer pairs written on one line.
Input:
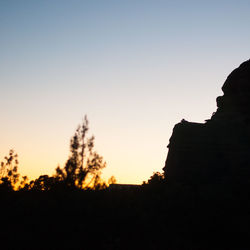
{"points": [[134, 67]]}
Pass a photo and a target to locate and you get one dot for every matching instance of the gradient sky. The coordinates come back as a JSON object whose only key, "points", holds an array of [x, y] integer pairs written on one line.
{"points": [[136, 68]]}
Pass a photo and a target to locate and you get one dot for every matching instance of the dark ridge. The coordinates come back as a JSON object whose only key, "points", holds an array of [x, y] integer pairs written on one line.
{"points": [[217, 151]]}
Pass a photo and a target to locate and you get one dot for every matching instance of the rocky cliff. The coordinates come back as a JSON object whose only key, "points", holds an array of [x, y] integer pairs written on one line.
{"points": [[217, 151]]}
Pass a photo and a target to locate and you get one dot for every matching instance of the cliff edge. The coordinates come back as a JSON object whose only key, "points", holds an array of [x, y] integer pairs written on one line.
{"points": [[217, 151]]}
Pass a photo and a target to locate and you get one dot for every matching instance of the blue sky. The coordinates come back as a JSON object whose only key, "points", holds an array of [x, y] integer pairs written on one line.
{"points": [[135, 68]]}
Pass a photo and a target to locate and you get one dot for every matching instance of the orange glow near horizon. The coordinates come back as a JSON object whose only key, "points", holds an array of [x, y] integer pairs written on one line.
{"points": [[135, 68]]}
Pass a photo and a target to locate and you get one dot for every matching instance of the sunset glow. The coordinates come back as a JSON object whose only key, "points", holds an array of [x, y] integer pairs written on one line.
{"points": [[135, 68]]}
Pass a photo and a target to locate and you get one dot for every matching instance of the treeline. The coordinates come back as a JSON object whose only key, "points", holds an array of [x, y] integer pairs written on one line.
{"points": [[81, 171], [159, 215], [73, 209]]}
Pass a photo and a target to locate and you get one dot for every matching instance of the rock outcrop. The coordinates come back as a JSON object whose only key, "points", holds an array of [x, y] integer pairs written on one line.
{"points": [[217, 151]]}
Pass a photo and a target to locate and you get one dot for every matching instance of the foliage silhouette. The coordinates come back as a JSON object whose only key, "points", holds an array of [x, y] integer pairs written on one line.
{"points": [[112, 180], [156, 179], [9, 176], [83, 168], [81, 171], [9, 170], [74, 211], [43, 183]]}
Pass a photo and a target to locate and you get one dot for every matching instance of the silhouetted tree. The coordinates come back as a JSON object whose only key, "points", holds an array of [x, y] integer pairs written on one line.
{"points": [[84, 163], [23, 183], [43, 183], [156, 179], [9, 171], [112, 180]]}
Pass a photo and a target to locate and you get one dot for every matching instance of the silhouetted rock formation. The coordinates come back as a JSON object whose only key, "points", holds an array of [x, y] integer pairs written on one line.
{"points": [[217, 151]]}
